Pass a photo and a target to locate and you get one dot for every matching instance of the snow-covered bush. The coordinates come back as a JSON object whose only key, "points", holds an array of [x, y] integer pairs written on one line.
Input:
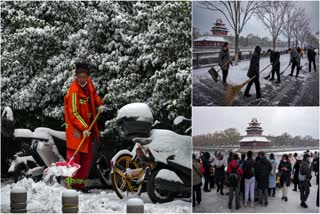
{"points": [[140, 52]]}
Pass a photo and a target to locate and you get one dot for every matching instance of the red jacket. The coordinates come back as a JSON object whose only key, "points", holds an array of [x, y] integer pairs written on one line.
{"points": [[232, 165], [79, 112]]}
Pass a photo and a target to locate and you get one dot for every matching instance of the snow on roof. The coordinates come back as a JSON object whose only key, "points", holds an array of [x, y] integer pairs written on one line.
{"points": [[254, 138], [211, 38]]}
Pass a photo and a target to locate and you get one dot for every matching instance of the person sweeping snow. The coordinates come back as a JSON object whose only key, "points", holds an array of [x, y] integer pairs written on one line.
{"points": [[254, 71], [80, 108]]}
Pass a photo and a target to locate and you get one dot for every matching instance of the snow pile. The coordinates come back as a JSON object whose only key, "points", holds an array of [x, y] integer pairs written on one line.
{"points": [[61, 170], [43, 198]]}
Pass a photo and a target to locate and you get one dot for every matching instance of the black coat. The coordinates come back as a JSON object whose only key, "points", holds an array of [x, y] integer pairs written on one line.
{"points": [[262, 170], [206, 162], [254, 63], [311, 54], [296, 168], [275, 59], [285, 175]]}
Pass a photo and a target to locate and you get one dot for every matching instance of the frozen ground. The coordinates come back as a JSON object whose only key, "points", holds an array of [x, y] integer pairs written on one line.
{"points": [[302, 91], [43, 198]]}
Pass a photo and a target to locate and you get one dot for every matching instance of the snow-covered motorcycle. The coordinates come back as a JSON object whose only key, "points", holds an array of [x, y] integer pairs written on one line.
{"points": [[141, 162], [39, 149]]}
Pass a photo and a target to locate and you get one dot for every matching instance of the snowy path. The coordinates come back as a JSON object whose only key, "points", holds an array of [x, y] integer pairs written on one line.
{"points": [[302, 91], [43, 198], [214, 202]]}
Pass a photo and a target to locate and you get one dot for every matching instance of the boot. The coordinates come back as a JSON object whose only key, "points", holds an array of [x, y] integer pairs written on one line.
{"points": [[285, 199], [247, 95], [304, 205], [245, 204]]}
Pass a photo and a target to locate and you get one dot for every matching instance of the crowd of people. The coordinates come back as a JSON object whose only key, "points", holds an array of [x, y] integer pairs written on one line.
{"points": [[254, 179], [225, 60]]}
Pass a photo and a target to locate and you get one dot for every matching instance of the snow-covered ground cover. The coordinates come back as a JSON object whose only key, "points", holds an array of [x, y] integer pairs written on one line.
{"points": [[45, 198]]}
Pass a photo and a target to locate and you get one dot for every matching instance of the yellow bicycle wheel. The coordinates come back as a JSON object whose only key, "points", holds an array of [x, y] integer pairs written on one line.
{"points": [[122, 181]]}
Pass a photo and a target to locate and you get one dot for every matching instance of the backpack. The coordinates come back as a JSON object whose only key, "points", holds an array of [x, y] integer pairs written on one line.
{"points": [[248, 171], [273, 170], [202, 170], [233, 178]]}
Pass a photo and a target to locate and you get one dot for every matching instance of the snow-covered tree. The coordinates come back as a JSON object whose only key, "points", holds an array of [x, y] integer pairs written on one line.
{"points": [[139, 52]]}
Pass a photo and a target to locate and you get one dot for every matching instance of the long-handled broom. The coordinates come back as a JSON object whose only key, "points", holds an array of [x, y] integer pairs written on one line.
{"points": [[233, 90], [68, 169]]}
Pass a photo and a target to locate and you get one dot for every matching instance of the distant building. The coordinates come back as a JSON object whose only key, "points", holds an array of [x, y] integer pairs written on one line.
{"points": [[216, 40], [254, 140]]}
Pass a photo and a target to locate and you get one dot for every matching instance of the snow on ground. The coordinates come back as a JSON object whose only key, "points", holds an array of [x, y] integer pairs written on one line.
{"points": [[238, 73], [45, 198], [214, 202], [302, 91]]}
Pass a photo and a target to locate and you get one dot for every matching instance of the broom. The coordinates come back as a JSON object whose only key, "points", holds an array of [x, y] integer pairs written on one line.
{"points": [[233, 90], [68, 169]]}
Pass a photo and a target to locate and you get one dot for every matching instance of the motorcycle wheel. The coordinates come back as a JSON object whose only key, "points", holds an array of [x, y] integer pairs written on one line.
{"points": [[157, 195], [120, 183], [103, 171]]}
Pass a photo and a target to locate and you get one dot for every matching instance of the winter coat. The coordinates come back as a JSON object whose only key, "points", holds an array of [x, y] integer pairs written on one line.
{"points": [[311, 55], [249, 168], [296, 169], [272, 178], [206, 163], [275, 59], [294, 55], [219, 166], [254, 63], [285, 175], [235, 165], [305, 170], [224, 57], [80, 109], [196, 172], [263, 168]]}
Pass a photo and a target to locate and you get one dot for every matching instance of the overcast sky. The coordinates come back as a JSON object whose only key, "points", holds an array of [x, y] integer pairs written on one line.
{"points": [[274, 120], [203, 19]]}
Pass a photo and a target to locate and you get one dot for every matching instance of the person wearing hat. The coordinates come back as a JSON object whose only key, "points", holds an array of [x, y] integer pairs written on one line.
{"points": [[254, 72], [304, 180], [296, 169], [80, 104], [224, 62]]}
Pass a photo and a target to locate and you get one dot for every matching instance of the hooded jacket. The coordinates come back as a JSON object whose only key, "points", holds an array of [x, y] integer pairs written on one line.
{"points": [[254, 63]]}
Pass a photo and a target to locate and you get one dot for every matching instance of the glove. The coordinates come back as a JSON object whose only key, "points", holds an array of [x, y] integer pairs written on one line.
{"points": [[86, 133], [102, 109]]}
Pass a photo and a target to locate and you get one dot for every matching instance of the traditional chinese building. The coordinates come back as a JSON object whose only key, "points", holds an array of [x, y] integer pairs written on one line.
{"points": [[254, 140], [216, 40]]}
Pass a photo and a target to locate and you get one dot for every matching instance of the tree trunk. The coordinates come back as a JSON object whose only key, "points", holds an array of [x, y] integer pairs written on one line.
{"points": [[274, 44], [236, 47], [289, 41]]}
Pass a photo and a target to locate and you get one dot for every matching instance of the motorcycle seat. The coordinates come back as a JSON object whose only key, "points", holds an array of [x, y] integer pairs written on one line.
{"points": [[45, 133]]}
